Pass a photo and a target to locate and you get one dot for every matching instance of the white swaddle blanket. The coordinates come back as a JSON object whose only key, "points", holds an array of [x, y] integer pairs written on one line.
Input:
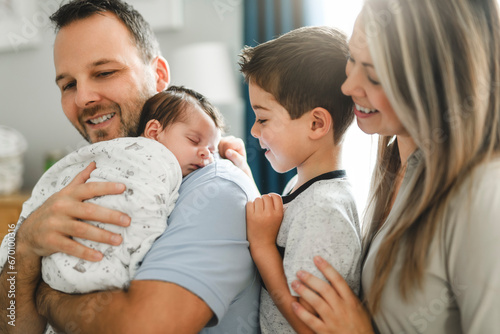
{"points": [[152, 177]]}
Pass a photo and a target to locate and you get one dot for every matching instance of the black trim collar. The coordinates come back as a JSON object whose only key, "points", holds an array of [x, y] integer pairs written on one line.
{"points": [[336, 174]]}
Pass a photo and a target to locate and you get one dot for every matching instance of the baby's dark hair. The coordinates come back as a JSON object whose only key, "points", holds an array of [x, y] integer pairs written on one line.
{"points": [[303, 69], [167, 108]]}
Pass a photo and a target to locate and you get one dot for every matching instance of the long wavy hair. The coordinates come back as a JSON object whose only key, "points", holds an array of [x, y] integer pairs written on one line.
{"points": [[439, 63]]}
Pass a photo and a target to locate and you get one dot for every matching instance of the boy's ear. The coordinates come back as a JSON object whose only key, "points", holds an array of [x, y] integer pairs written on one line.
{"points": [[162, 73], [320, 122], [153, 129]]}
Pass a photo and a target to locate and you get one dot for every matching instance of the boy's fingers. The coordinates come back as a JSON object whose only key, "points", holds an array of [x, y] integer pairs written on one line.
{"points": [[277, 201], [258, 204], [250, 207]]}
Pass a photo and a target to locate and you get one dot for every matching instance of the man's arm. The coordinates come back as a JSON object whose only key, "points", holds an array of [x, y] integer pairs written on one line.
{"points": [[48, 230], [19, 279], [146, 307]]}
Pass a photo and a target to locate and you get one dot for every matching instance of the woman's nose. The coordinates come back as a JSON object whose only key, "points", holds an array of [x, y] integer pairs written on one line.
{"points": [[352, 84]]}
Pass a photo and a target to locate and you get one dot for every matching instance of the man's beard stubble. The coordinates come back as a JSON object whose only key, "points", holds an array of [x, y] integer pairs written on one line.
{"points": [[128, 123]]}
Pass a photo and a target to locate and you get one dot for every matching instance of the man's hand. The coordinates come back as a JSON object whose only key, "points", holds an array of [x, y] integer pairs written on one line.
{"points": [[233, 148], [49, 228]]}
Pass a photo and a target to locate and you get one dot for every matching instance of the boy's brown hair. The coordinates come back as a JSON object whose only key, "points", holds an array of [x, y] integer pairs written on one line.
{"points": [[167, 108], [303, 69]]}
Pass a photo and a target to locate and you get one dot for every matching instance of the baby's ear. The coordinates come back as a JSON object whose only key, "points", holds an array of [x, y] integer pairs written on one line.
{"points": [[320, 123], [153, 129]]}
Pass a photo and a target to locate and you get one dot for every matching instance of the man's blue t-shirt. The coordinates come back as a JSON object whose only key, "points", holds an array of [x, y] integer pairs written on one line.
{"points": [[205, 249]]}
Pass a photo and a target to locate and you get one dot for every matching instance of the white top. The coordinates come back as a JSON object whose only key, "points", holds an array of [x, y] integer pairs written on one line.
{"points": [[461, 287], [320, 219]]}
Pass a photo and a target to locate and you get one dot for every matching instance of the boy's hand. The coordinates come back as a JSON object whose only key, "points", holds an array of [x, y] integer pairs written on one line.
{"points": [[233, 148], [264, 216]]}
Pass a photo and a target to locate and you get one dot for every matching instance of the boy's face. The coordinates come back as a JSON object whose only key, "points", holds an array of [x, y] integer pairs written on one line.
{"points": [[281, 137], [192, 141]]}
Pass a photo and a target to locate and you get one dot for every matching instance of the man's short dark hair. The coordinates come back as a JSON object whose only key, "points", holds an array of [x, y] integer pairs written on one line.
{"points": [[303, 69], [139, 28]]}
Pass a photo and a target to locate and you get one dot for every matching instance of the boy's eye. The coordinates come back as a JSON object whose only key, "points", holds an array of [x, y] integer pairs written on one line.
{"points": [[193, 140], [261, 121]]}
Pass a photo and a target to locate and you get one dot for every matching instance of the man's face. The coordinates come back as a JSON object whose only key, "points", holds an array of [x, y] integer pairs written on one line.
{"points": [[103, 80]]}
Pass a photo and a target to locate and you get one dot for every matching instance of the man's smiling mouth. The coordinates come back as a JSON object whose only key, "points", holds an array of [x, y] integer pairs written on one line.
{"points": [[101, 119]]}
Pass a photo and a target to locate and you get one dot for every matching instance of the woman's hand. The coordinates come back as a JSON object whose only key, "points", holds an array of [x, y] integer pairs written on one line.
{"points": [[337, 307], [264, 216]]}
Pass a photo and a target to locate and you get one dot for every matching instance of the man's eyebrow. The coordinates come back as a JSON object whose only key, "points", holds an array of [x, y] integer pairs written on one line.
{"points": [[60, 77], [94, 64]]}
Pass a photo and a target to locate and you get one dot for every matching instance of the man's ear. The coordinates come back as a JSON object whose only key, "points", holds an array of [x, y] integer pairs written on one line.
{"points": [[320, 123], [153, 129], [162, 73]]}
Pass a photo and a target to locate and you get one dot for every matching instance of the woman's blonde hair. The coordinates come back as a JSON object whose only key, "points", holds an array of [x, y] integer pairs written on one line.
{"points": [[439, 63]]}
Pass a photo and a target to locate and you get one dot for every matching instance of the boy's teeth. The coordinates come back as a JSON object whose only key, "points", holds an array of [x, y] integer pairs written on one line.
{"points": [[365, 110], [101, 119]]}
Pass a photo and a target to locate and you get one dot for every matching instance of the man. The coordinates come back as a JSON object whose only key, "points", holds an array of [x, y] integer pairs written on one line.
{"points": [[199, 273]]}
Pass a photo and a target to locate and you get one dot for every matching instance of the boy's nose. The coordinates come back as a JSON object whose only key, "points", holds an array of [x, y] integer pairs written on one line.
{"points": [[254, 131]]}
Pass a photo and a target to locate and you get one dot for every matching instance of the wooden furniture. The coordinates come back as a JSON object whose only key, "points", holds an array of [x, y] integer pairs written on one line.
{"points": [[10, 209]]}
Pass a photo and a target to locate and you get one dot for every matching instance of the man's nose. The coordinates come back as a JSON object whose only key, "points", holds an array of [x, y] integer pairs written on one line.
{"points": [[86, 94]]}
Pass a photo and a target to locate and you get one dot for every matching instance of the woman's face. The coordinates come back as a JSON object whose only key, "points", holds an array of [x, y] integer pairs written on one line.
{"points": [[373, 110]]}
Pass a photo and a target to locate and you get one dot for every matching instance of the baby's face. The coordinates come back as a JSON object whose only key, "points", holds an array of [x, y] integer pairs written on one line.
{"points": [[193, 140]]}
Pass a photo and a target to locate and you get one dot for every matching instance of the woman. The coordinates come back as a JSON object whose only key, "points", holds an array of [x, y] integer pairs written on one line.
{"points": [[425, 75]]}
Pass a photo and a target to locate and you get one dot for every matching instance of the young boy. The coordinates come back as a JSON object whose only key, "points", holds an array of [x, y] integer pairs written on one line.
{"points": [[180, 132], [301, 117]]}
